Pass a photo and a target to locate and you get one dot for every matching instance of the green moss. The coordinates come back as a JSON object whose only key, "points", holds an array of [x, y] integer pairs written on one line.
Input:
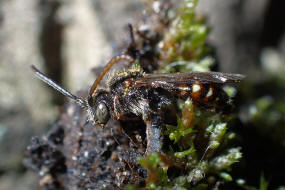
{"points": [[225, 161], [130, 187], [227, 177], [176, 132], [156, 174], [199, 144], [186, 39]]}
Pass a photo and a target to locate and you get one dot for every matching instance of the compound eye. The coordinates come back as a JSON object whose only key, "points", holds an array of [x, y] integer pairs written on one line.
{"points": [[102, 113]]}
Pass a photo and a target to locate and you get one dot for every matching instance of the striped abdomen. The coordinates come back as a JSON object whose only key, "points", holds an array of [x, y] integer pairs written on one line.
{"points": [[205, 95]]}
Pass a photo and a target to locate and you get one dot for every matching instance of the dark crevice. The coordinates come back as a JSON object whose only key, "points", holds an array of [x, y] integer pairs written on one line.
{"points": [[274, 24], [50, 39]]}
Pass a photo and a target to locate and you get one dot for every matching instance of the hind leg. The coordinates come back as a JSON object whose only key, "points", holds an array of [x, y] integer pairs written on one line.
{"points": [[154, 135]]}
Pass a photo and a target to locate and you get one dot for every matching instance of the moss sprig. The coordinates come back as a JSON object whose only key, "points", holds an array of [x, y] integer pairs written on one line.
{"points": [[198, 147]]}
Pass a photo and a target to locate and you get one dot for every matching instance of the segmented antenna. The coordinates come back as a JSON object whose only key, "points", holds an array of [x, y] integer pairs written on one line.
{"points": [[51, 83], [112, 62]]}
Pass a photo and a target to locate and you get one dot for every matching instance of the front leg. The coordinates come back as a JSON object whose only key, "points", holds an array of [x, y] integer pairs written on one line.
{"points": [[154, 136]]}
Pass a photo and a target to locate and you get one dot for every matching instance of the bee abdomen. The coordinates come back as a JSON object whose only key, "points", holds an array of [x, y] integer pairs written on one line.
{"points": [[198, 92]]}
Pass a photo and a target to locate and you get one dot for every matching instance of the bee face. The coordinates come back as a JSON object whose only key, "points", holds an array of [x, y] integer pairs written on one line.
{"points": [[99, 108]]}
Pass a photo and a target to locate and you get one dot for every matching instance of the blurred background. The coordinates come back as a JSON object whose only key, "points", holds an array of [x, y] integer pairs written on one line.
{"points": [[66, 39]]}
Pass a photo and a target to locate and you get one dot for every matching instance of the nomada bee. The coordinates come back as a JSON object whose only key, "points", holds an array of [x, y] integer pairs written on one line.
{"points": [[135, 95]]}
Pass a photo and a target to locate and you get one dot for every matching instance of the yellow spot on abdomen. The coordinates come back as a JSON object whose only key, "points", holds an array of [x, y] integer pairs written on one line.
{"points": [[196, 91], [210, 92], [196, 88]]}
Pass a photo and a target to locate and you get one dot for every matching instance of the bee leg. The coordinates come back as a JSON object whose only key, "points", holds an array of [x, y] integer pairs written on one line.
{"points": [[154, 134]]}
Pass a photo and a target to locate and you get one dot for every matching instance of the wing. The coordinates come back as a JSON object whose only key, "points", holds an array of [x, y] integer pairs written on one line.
{"points": [[204, 88], [182, 79]]}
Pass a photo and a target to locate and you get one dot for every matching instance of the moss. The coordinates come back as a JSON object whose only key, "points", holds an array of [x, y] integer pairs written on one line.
{"points": [[185, 40], [192, 157]]}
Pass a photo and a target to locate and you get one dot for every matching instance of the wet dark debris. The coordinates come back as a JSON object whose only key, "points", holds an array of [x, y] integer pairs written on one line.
{"points": [[74, 154]]}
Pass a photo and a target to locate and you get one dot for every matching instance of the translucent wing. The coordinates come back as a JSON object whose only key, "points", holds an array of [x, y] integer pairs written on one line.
{"points": [[175, 80]]}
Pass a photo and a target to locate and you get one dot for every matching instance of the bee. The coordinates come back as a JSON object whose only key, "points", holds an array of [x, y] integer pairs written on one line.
{"points": [[134, 95]]}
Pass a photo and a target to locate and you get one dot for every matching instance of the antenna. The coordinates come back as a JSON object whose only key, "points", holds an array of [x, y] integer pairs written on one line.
{"points": [[112, 62], [127, 56], [51, 83]]}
